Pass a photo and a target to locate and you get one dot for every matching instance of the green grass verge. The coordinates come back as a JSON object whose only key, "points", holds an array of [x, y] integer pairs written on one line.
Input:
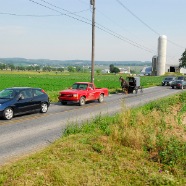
{"points": [[142, 146]]}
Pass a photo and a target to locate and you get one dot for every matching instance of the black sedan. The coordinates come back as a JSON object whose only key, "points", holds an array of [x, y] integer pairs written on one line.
{"points": [[20, 100], [168, 80], [179, 84]]}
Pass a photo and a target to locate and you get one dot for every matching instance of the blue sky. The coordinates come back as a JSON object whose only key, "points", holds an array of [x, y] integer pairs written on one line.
{"points": [[56, 36]]}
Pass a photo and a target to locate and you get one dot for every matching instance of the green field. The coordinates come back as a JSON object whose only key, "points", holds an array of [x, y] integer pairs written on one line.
{"points": [[52, 83]]}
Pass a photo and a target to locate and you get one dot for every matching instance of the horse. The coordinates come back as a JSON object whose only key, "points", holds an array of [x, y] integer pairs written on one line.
{"points": [[124, 85]]}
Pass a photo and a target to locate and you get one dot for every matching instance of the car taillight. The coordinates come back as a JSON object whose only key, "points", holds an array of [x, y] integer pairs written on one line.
{"points": [[43, 91]]}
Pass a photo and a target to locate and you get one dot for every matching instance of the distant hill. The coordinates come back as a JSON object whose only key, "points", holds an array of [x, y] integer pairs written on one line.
{"points": [[48, 62]]}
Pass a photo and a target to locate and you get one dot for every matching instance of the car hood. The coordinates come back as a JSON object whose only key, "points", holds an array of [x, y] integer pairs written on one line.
{"points": [[70, 91]]}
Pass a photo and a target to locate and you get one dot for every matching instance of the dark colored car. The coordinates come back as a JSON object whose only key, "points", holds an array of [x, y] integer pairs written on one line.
{"points": [[168, 80], [181, 78], [179, 84], [20, 100]]}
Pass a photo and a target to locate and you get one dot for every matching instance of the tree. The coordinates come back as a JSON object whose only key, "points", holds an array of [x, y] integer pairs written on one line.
{"points": [[114, 69], [71, 69], [61, 69], [37, 68], [182, 60], [79, 69], [111, 68]]}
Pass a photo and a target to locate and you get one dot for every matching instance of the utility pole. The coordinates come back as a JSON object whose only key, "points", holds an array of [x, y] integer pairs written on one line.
{"points": [[92, 2]]}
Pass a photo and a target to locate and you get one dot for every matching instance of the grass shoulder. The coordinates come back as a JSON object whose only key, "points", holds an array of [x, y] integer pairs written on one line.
{"points": [[142, 146]]}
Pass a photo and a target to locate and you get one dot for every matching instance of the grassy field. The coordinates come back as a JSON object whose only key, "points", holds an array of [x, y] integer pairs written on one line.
{"points": [[52, 83], [142, 146]]}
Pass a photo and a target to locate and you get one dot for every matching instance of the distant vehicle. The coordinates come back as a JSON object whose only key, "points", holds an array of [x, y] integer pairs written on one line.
{"points": [[81, 92], [146, 71], [20, 100], [181, 78], [168, 80], [179, 84]]}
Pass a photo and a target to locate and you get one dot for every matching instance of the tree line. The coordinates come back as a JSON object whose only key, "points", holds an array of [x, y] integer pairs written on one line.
{"points": [[43, 68]]}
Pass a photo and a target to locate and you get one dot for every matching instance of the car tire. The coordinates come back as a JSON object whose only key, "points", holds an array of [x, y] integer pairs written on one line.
{"points": [[8, 113], [64, 103], [44, 108], [101, 98], [172, 87], [82, 101]]}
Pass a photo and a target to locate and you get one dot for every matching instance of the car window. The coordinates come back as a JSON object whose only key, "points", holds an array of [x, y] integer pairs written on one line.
{"points": [[180, 78], [91, 86], [79, 86], [25, 94], [7, 93], [37, 92], [75, 86], [83, 86]]}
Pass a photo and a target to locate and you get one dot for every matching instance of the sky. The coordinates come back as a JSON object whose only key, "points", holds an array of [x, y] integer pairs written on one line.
{"points": [[126, 30]]}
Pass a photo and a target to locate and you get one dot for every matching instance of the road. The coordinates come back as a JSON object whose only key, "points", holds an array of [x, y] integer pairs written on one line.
{"points": [[29, 133]]}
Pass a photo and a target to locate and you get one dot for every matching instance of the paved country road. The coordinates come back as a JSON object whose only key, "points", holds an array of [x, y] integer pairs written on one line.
{"points": [[29, 133]]}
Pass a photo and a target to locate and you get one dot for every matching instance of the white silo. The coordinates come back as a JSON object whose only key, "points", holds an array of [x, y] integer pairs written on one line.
{"points": [[162, 48]]}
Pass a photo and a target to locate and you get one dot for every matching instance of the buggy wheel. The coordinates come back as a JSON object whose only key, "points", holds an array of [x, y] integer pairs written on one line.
{"points": [[141, 90], [136, 90]]}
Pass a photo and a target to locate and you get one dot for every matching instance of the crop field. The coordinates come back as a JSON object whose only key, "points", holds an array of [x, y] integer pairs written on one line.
{"points": [[53, 82]]}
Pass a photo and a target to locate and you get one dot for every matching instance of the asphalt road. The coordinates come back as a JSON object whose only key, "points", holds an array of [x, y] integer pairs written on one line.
{"points": [[29, 133]]}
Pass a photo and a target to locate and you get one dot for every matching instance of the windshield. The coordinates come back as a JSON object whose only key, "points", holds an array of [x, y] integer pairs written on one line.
{"points": [[80, 86], [180, 78], [169, 78], [178, 81], [7, 94]]}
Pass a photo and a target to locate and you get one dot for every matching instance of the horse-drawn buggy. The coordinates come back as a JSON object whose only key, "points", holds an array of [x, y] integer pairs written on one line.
{"points": [[131, 84]]}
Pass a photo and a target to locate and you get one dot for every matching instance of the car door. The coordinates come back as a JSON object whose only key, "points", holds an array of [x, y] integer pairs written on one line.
{"points": [[37, 98], [24, 102], [90, 92]]}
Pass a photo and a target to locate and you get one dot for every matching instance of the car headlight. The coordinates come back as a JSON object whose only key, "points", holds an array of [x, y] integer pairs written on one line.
{"points": [[75, 95]]}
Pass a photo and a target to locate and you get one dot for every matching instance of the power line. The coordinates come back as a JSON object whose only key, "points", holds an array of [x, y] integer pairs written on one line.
{"points": [[27, 15], [153, 30], [32, 15], [137, 17], [60, 12], [99, 26]]}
